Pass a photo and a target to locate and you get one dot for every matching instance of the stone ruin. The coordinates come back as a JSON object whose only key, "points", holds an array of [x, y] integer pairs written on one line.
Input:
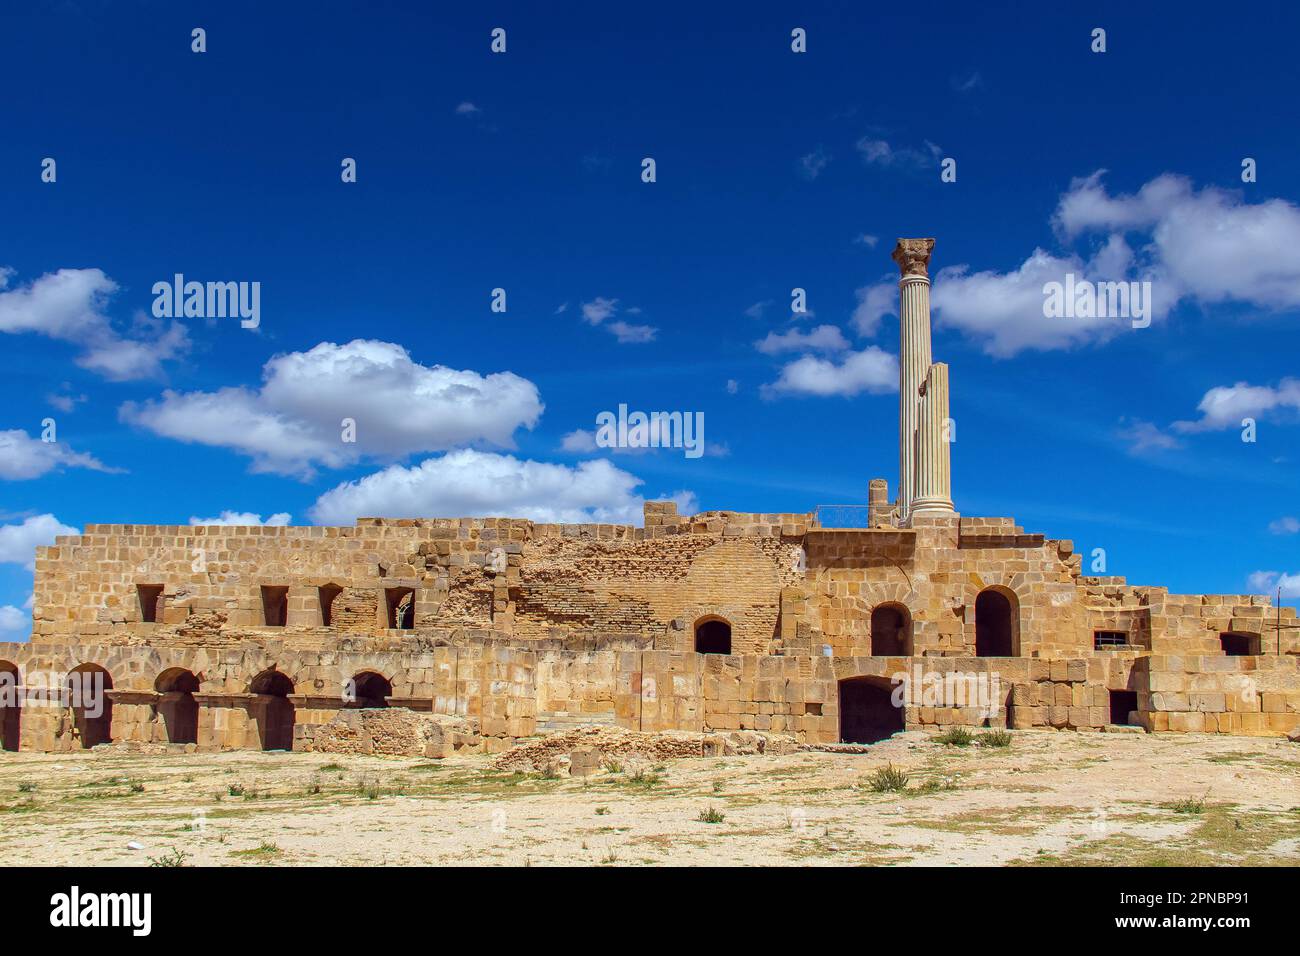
{"points": [[838, 625]]}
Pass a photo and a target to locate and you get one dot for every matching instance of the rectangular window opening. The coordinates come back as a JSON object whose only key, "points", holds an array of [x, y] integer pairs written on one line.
{"points": [[275, 606], [151, 602]]}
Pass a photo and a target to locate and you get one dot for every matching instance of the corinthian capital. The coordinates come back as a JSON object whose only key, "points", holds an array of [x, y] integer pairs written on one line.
{"points": [[913, 256]]}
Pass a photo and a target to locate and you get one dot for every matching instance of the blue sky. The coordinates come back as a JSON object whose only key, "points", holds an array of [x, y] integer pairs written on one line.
{"points": [[775, 170]]}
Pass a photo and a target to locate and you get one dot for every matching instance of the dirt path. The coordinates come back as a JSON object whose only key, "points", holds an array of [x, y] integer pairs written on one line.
{"points": [[1049, 798]]}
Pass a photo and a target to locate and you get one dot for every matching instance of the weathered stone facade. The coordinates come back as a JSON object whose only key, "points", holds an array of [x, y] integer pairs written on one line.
{"points": [[237, 637]]}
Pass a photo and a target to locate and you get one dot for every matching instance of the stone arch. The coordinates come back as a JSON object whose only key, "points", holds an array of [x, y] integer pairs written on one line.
{"points": [[712, 635], [10, 706], [891, 630], [176, 687], [272, 709], [87, 688], [368, 689], [997, 622], [867, 710]]}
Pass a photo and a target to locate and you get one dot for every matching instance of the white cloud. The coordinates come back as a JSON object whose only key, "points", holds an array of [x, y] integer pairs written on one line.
{"points": [[874, 303], [1285, 525], [18, 542], [580, 441], [867, 240], [1143, 437], [68, 305], [12, 619], [470, 483], [812, 164], [23, 457], [732, 386], [871, 370], [1224, 406], [600, 308], [824, 338], [1267, 582], [294, 422], [245, 519], [758, 309], [467, 109], [879, 152]]}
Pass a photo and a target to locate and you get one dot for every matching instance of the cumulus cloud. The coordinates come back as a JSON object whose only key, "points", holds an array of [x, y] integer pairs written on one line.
{"points": [[1267, 582], [599, 309], [1226, 405], [69, 305], [18, 542], [874, 303], [812, 164], [23, 457], [470, 483], [467, 109], [13, 619], [294, 421], [1285, 525], [870, 370], [244, 519], [1142, 437], [879, 152], [824, 338]]}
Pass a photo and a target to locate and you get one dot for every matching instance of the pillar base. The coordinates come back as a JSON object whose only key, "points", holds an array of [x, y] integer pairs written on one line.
{"points": [[932, 506]]}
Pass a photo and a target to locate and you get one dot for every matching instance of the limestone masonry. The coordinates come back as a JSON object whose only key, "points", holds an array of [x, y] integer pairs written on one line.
{"points": [[267, 637]]}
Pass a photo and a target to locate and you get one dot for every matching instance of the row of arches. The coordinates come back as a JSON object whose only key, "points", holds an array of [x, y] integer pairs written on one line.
{"points": [[92, 709], [997, 628]]}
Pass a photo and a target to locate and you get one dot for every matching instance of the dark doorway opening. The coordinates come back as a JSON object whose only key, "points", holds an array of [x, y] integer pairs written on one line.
{"points": [[1122, 703], [867, 711], [994, 625], [179, 709], [713, 637], [369, 690], [401, 608], [10, 706], [92, 710], [275, 606], [891, 631], [328, 593], [150, 597], [273, 710], [1239, 645]]}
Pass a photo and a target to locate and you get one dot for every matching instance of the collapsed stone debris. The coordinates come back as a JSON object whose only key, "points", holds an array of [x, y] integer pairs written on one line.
{"points": [[435, 635]]}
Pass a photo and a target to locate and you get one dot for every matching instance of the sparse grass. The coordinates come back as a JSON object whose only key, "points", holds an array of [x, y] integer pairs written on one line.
{"points": [[173, 857], [644, 781], [711, 815], [610, 858], [549, 772], [235, 789], [1192, 805], [333, 768], [263, 849], [26, 787], [27, 806], [888, 779], [717, 784], [955, 737], [613, 766], [137, 786], [995, 738], [602, 811]]}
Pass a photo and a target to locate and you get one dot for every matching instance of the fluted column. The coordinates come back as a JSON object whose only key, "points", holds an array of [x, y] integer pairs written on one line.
{"points": [[913, 258], [933, 465]]}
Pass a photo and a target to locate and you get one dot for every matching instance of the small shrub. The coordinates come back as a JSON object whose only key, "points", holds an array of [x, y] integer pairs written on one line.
{"points": [[1194, 805], [888, 779], [26, 787], [136, 786], [602, 811], [995, 738], [956, 737], [174, 858], [717, 785], [711, 815], [235, 789], [613, 766]]}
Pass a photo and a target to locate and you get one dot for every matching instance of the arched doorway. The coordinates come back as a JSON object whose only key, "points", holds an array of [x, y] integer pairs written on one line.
{"points": [[10, 706], [273, 710], [179, 709], [92, 710], [369, 690], [867, 711], [997, 624], [712, 636], [891, 631]]}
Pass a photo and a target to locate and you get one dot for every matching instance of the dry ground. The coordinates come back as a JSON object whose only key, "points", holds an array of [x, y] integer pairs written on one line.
{"points": [[1050, 798]]}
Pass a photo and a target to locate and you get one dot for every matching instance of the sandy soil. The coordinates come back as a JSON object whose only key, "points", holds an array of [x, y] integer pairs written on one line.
{"points": [[1049, 798]]}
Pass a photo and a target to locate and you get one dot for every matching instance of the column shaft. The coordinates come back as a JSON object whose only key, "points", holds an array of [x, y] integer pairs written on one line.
{"points": [[934, 464]]}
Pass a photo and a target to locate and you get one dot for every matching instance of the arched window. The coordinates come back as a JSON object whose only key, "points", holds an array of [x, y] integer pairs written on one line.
{"points": [[179, 709], [273, 710], [369, 690], [997, 624], [92, 710], [10, 706], [891, 631], [712, 636]]}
